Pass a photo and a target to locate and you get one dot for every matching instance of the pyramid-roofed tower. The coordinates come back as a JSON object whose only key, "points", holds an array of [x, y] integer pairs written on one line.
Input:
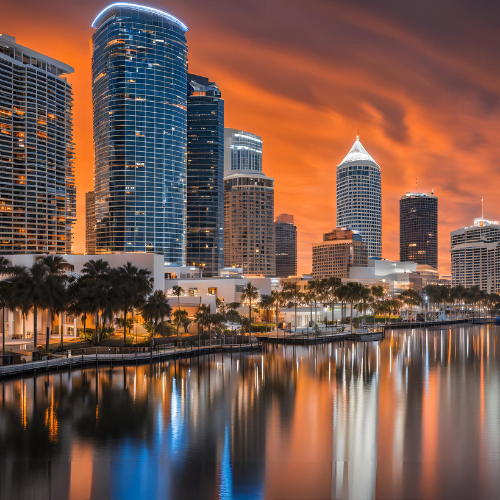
{"points": [[359, 197]]}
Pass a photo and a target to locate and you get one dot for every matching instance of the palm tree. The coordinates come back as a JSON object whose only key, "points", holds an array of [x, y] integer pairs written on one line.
{"points": [[56, 266], [266, 303], [180, 316], [291, 292], [155, 309], [202, 317], [5, 268], [353, 294], [342, 293], [250, 292], [278, 301], [131, 285], [34, 288], [411, 298], [316, 287], [177, 291], [365, 297], [330, 293], [392, 305], [378, 293]]}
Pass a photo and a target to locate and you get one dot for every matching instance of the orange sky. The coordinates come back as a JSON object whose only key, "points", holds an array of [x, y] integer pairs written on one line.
{"points": [[418, 79]]}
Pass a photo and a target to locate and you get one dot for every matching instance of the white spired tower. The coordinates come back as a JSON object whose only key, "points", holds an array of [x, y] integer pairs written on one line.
{"points": [[359, 197]]}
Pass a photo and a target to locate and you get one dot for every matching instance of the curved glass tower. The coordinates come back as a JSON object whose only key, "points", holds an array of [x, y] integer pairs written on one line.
{"points": [[139, 78], [359, 197]]}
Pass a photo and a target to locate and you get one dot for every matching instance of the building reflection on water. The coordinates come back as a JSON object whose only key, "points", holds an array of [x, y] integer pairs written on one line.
{"points": [[414, 416]]}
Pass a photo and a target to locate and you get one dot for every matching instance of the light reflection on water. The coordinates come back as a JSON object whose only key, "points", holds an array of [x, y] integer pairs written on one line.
{"points": [[415, 416]]}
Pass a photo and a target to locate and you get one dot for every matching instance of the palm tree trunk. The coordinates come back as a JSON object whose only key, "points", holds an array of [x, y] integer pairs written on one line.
{"points": [[250, 322], [3, 335], [84, 326], [125, 309], [351, 317], [295, 326], [35, 310]]}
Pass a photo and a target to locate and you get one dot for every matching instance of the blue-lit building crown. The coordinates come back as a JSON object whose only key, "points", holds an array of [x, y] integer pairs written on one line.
{"points": [[139, 77]]}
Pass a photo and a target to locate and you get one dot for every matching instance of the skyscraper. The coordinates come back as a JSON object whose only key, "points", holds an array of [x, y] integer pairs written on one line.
{"points": [[475, 256], [286, 246], [248, 206], [418, 225], [205, 175], [37, 186], [359, 197], [90, 223], [139, 79]]}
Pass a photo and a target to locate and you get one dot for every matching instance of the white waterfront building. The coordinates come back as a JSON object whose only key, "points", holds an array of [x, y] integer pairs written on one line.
{"points": [[359, 197]]}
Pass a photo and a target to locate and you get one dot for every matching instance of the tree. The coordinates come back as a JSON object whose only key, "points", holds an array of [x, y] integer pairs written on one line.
{"points": [[411, 298], [266, 303], [56, 266], [33, 289], [353, 294], [317, 288], [377, 292], [179, 317], [342, 293], [131, 285], [278, 301], [250, 293], [6, 268], [202, 317], [155, 309], [330, 293], [177, 291], [291, 292]]}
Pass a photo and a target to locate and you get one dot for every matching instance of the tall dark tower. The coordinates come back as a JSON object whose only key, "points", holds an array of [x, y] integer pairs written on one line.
{"points": [[418, 225], [205, 175], [286, 246]]}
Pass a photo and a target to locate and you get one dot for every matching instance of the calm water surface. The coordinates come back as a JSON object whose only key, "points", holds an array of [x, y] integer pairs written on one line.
{"points": [[415, 416]]}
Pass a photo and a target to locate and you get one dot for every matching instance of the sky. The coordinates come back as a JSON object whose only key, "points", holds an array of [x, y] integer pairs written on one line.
{"points": [[419, 80]]}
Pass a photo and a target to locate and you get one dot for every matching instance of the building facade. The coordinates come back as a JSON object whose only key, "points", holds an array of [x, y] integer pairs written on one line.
{"points": [[90, 223], [418, 228], [359, 197], [286, 246], [205, 175], [340, 250], [139, 80], [475, 256], [37, 184], [248, 206]]}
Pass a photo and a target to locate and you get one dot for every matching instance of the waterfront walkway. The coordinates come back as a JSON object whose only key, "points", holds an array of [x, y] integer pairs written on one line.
{"points": [[87, 359]]}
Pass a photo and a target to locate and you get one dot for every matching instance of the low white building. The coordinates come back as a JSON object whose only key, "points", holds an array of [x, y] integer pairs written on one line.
{"points": [[393, 275]]}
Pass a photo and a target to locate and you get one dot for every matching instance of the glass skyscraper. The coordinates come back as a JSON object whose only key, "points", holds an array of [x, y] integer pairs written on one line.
{"points": [[139, 78], [205, 175], [359, 197], [37, 185], [418, 228]]}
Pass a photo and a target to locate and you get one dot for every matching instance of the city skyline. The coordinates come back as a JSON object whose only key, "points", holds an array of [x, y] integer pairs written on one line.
{"points": [[438, 131]]}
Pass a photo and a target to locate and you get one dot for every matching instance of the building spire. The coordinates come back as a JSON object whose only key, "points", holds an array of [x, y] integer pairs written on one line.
{"points": [[482, 207]]}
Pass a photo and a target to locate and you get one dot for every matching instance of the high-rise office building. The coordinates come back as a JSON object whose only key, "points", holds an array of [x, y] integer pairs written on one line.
{"points": [[359, 197], [90, 223], [139, 79], [248, 206], [205, 175], [286, 246], [37, 186], [418, 226], [475, 256], [340, 250]]}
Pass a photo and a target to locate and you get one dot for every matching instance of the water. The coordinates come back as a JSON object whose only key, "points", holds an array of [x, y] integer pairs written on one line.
{"points": [[415, 416]]}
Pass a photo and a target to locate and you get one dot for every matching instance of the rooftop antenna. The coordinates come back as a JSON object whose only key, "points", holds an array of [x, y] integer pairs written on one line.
{"points": [[482, 207], [357, 137], [416, 181]]}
